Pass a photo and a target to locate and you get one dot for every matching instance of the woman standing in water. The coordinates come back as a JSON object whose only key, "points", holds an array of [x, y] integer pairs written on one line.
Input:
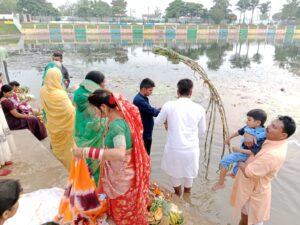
{"points": [[125, 165], [59, 116]]}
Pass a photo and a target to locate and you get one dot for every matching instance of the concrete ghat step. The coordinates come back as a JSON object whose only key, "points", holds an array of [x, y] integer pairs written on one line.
{"points": [[34, 165]]}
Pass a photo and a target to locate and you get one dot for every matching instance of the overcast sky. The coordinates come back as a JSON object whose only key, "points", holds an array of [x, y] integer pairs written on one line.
{"points": [[142, 6]]}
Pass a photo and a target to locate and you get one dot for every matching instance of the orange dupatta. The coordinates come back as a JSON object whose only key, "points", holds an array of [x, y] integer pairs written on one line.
{"points": [[80, 204]]}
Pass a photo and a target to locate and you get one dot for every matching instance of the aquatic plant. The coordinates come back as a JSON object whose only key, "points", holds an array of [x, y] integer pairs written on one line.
{"points": [[215, 101]]}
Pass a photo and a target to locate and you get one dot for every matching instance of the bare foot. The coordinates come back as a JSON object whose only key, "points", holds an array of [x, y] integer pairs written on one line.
{"points": [[187, 197], [217, 186], [178, 190]]}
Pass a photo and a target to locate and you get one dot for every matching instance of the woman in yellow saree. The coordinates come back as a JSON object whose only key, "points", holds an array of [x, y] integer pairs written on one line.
{"points": [[60, 116]]}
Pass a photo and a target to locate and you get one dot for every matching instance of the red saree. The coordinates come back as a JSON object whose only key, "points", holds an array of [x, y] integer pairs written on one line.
{"points": [[127, 183]]}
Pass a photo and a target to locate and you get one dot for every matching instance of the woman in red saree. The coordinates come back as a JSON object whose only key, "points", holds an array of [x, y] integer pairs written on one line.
{"points": [[125, 164]]}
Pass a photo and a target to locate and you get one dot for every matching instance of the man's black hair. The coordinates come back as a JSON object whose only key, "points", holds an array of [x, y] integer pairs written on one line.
{"points": [[147, 83], [289, 125], [185, 87], [57, 54]]}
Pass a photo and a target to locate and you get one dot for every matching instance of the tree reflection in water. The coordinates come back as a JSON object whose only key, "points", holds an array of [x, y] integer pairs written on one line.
{"points": [[238, 60], [288, 57], [286, 54]]}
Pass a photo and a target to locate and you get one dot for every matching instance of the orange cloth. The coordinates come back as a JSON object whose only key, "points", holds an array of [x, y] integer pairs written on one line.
{"points": [[80, 203], [261, 170]]}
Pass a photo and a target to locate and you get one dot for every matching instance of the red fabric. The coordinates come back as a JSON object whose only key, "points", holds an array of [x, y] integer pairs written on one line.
{"points": [[131, 208]]}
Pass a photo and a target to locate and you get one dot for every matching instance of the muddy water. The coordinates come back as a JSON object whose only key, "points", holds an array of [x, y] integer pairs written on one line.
{"points": [[247, 76]]}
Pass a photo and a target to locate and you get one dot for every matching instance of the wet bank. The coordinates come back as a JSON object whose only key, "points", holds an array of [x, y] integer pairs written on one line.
{"points": [[243, 84]]}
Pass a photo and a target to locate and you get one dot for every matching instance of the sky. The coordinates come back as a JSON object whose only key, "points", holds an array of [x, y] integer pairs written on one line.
{"points": [[142, 6]]}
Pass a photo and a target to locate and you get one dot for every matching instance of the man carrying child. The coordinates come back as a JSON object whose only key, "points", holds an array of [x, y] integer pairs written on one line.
{"points": [[255, 126]]}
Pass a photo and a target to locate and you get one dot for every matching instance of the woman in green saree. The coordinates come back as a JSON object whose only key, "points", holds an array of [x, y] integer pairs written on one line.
{"points": [[89, 128]]}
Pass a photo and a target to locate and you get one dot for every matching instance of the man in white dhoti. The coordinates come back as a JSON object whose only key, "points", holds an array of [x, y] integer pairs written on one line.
{"points": [[185, 121]]}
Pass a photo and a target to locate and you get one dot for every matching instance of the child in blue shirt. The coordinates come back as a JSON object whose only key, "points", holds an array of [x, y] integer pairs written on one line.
{"points": [[254, 126]]}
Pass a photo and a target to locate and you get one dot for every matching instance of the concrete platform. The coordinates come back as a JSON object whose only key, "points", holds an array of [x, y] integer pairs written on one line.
{"points": [[34, 164]]}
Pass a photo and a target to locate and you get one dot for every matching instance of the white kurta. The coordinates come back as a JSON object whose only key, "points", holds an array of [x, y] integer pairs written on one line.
{"points": [[7, 144], [186, 121]]}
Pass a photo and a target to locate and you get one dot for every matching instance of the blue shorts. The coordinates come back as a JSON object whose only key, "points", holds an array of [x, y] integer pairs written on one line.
{"points": [[234, 158]]}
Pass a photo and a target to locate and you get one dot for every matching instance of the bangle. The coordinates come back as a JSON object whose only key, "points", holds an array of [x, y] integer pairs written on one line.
{"points": [[94, 153], [85, 152], [101, 154]]}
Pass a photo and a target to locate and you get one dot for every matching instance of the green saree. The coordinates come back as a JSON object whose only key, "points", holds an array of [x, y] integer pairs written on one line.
{"points": [[89, 129]]}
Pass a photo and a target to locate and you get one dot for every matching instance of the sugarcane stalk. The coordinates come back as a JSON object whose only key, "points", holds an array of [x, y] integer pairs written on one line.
{"points": [[215, 101], [211, 139]]}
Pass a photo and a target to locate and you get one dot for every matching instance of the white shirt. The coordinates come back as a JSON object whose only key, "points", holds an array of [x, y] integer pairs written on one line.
{"points": [[186, 120]]}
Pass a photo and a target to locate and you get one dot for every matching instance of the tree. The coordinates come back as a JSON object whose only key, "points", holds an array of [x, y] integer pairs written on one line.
{"points": [[36, 8], [67, 9], [253, 4], [175, 9], [219, 11], [264, 9], [242, 6], [192, 9], [290, 9], [205, 15], [83, 8], [8, 6], [157, 12], [118, 7], [101, 9], [277, 16]]}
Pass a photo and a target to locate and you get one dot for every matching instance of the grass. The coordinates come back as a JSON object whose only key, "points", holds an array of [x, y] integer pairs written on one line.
{"points": [[41, 26], [8, 29], [13, 40], [28, 25], [67, 26]]}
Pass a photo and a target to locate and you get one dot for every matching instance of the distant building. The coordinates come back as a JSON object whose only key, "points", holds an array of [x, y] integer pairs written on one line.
{"points": [[6, 18]]}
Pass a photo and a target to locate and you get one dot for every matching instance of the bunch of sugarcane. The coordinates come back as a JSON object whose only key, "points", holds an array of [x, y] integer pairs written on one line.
{"points": [[215, 102]]}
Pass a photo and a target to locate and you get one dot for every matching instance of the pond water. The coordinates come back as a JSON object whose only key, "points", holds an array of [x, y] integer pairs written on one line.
{"points": [[248, 75]]}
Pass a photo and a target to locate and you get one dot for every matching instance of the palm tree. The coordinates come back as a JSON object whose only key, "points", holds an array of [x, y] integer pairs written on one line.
{"points": [[242, 6], [253, 4], [264, 9]]}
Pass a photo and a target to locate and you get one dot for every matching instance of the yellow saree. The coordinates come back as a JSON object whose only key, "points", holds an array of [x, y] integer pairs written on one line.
{"points": [[60, 115]]}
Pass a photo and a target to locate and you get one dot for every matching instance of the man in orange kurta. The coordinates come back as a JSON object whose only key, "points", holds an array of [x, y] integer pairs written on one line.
{"points": [[251, 192]]}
